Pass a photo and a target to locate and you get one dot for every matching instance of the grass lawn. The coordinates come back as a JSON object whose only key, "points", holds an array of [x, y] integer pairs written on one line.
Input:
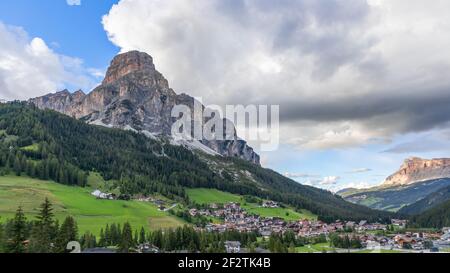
{"points": [[286, 213], [90, 213], [208, 196], [314, 248]]}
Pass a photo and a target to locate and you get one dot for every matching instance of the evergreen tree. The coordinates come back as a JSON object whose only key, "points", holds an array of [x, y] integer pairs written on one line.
{"points": [[67, 233], [107, 236], [88, 240], [102, 240], [19, 226], [44, 231], [126, 242], [142, 236]]}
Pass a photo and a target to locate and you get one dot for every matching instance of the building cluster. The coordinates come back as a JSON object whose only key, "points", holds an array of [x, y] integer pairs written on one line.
{"points": [[102, 195], [236, 218]]}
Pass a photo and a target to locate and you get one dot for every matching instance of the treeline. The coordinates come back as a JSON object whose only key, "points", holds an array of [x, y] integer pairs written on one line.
{"points": [[288, 242], [328, 206], [345, 241], [436, 217], [42, 235], [47, 167], [45, 235], [145, 166]]}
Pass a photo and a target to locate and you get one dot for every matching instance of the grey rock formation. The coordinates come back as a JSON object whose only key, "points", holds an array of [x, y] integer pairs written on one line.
{"points": [[134, 95]]}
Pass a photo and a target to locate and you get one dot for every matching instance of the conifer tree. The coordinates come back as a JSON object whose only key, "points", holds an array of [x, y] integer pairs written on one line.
{"points": [[67, 233], [19, 226], [142, 236], [126, 242]]}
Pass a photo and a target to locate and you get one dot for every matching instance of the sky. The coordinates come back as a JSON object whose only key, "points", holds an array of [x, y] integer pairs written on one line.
{"points": [[361, 84]]}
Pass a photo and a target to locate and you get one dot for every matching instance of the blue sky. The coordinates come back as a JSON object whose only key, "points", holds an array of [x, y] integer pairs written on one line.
{"points": [[361, 84], [69, 30]]}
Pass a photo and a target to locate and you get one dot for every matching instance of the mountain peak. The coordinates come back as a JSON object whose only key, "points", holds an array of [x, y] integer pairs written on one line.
{"points": [[417, 169], [134, 95], [127, 63]]}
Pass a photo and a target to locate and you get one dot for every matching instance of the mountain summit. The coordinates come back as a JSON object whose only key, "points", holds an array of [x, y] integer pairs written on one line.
{"points": [[417, 169], [135, 96]]}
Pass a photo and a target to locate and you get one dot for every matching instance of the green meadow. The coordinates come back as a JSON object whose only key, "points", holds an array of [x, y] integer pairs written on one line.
{"points": [[90, 213], [208, 196], [315, 248]]}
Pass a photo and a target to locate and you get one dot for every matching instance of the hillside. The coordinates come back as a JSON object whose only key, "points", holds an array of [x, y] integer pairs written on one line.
{"points": [[437, 217], [49, 145], [430, 201], [395, 198], [208, 196], [135, 96], [90, 213]]}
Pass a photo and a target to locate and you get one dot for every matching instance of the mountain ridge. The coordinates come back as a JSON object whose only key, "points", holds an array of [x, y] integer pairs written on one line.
{"points": [[416, 169], [134, 95]]}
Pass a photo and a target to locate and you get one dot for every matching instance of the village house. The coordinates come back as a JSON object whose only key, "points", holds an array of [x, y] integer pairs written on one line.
{"points": [[233, 246], [102, 195], [147, 248], [399, 223], [270, 204]]}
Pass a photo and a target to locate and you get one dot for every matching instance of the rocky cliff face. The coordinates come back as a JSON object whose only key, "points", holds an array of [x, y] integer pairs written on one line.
{"points": [[134, 95], [416, 170]]}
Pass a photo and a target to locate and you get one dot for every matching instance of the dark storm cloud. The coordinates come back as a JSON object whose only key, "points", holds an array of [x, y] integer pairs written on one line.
{"points": [[303, 55], [411, 112]]}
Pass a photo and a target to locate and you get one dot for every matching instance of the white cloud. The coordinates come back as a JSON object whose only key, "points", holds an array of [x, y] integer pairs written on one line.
{"points": [[29, 68], [330, 180], [300, 175], [361, 170], [73, 2], [345, 73]]}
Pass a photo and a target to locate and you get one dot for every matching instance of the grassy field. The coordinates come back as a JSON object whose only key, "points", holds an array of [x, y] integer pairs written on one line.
{"points": [[285, 213], [90, 213], [314, 248], [208, 196]]}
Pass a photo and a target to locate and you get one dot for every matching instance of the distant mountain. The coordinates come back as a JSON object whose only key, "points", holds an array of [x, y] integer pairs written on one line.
{"points": [[416, 179], [135, 96], [432, 200], [417, 169], [395, 198]]}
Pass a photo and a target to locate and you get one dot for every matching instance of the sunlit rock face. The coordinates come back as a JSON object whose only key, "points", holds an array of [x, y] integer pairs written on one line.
{"points": [[417, 169], [134, 95]]}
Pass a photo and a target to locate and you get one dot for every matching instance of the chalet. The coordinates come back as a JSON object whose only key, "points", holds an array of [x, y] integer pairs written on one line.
{"points": [[102, 195], [147, 248], [399, 223], [350, 224], [446, 237], [193, 212], [233, 246], [402, 240], [270, 204]]}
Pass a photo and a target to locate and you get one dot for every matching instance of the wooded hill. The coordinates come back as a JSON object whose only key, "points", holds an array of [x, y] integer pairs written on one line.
{"points": [[49, 145]]}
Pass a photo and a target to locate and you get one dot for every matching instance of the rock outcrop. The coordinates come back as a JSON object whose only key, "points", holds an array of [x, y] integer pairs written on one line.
{"points": [[416, 170], [134, 95]]}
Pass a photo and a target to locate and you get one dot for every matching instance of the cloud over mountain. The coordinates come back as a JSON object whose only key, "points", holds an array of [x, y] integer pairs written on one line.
{"points": [[28, 67], [364, 70]]}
